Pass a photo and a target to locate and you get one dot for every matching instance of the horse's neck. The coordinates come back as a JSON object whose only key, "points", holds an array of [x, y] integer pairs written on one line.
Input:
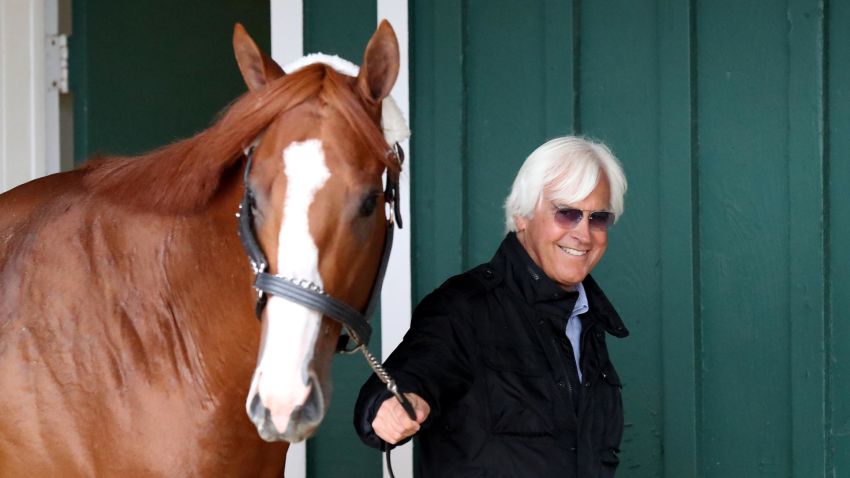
{"points": [[209, 282], [173, 290]]}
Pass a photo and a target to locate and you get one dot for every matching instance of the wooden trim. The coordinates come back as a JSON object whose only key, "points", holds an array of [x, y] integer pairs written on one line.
{"points": [[680, 350], [396, 294], [806, 163]]}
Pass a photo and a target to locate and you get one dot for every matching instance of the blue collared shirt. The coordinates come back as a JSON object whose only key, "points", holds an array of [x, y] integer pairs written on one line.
{"points": [[574, 325]]}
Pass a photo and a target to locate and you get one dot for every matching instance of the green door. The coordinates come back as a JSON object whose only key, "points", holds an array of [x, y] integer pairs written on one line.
{"points": [[145, 74]]}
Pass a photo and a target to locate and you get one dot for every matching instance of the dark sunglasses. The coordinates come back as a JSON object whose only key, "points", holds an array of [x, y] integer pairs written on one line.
{"points": [[570, 217]]}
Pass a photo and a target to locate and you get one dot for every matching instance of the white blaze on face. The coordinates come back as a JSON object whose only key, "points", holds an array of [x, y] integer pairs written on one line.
{"points": [[281, 377]]}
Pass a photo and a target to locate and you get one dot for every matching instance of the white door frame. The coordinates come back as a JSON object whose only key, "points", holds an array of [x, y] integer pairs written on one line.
{"points": [[31, 79]]}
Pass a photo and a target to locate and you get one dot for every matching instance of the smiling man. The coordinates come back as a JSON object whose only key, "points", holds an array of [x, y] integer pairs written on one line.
{"points": [[506, 365]]}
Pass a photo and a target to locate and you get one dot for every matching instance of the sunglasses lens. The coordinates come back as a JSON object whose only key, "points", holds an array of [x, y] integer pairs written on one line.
{"points": [[568, 217], [601, 220]]}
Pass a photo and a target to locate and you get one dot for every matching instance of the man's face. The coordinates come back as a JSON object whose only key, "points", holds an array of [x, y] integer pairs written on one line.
{"points": [[565, 253]]}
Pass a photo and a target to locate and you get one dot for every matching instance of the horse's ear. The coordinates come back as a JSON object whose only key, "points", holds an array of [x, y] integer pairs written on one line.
{"points": [[379, 69], [257, 68]]}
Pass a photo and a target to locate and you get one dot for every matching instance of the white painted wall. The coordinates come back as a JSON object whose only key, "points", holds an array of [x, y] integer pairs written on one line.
{"points": [[29, 100]]}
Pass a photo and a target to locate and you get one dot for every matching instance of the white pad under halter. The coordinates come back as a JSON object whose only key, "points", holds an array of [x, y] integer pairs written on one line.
{"points": [[392, 119]]}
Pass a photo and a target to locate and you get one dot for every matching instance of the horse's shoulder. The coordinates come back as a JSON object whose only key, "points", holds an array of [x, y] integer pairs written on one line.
{"points": [[34, 195], [34, 203]]}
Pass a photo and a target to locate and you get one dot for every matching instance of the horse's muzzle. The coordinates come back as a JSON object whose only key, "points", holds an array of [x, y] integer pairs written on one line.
{"points": [[303, 420]]}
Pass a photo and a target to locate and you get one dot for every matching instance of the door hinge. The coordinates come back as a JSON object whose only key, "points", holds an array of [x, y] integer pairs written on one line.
{"points": [[56, 53]]}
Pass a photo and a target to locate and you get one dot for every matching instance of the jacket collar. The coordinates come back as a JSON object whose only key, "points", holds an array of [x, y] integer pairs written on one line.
{"points": [[521, 271], [603, 310], [536, 288]]}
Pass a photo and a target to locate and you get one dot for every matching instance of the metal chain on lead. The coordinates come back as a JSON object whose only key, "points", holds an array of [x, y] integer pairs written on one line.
{"points": [[382, 374]]}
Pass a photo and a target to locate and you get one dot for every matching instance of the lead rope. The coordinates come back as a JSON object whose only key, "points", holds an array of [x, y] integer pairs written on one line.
{"points": [[383, 376]]}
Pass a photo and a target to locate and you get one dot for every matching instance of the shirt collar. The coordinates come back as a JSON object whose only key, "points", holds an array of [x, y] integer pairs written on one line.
{"points": [[581, 303]]}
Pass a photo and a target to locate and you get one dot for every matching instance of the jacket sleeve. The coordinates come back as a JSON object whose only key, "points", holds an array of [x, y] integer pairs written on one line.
{"points": [[434, 361]]}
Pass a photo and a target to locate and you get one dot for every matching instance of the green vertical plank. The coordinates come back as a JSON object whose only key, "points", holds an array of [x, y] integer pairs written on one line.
{"points": [[144, 74], [511, 92], [838, 254], [619, 104], [742, 54], [560, 56], [806, 238], [677, 158], [78, 78], [437, 142], [342, 28]]}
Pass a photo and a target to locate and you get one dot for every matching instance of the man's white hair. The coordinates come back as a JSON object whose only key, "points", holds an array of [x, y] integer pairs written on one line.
{"points": [[567, 169]]}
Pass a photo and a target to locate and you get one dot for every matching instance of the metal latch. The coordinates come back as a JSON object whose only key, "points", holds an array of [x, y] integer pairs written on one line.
{"points": [[56, 71]]}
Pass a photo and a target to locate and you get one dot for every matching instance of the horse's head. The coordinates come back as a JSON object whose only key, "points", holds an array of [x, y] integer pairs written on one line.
{"points": [[319, 217]]}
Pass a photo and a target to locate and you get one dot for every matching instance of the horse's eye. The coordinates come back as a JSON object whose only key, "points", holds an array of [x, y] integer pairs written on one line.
{"points": [[367, 207]]}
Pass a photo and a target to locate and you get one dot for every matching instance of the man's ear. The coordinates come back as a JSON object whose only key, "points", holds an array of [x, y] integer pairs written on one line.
{"points": [[521, 223]]}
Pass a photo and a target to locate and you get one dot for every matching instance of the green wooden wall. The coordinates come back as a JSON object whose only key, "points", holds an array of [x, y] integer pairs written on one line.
{"points": [[730, 118]]}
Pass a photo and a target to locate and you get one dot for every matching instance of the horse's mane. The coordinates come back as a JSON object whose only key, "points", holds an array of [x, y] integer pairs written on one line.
{"points": [[184, 176]]}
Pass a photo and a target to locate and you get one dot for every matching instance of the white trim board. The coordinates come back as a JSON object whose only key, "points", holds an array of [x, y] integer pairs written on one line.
{"points": [[29, 110], [396, 295]]}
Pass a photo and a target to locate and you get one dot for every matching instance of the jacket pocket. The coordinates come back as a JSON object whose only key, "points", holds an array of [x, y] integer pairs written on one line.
{"points": [[609, 376], [518, 391], [608, 414], [608, 461], [609, 457]]}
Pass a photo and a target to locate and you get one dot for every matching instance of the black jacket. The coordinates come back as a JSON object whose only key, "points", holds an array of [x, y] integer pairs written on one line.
{"points": [[488, 351]]}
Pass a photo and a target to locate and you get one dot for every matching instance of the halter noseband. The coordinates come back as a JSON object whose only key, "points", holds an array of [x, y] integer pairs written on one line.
{"points": [[305, 292]]}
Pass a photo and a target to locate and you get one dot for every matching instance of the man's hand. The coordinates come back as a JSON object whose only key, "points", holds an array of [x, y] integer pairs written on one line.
{"points": [[392, 423]]}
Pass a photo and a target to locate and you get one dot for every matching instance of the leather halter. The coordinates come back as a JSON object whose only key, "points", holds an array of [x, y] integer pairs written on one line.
{"points": [[305, 292]]}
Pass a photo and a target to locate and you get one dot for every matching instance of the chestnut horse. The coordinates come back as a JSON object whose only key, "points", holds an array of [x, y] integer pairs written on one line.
{"points": [[128, 337]]}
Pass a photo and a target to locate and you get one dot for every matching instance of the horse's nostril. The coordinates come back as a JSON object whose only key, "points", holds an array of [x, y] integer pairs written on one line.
{"points": [[257, 409], [261, 417], [313, 409]]}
